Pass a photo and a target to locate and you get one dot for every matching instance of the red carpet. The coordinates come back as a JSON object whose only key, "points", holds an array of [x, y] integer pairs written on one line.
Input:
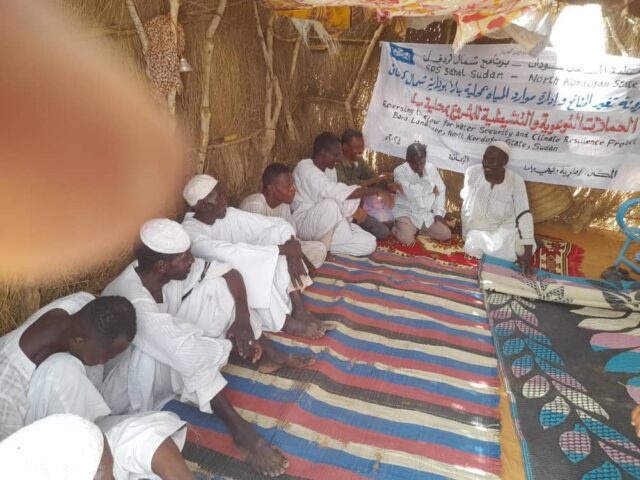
{"points": [[557, 256]]}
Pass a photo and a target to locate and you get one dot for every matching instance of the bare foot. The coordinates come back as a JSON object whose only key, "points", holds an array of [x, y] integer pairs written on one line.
{"points": [[263, 457], [274, 359], [306, 326]]}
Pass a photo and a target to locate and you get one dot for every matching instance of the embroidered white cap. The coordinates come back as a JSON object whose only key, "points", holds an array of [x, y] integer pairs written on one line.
{"points": [[197, 188], [502, 146], [58, 447], [165, 236]]}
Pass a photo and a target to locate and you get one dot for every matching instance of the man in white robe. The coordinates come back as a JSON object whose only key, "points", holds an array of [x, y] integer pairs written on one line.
{"points": [[43, 371], [420, 203], [324, 209], [275, 200], [263, 249], [191, 315], [496, 219]]}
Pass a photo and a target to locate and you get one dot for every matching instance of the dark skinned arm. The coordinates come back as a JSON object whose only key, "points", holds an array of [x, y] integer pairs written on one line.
{"points": [[240, 332], [292, 250], [526, 259]]}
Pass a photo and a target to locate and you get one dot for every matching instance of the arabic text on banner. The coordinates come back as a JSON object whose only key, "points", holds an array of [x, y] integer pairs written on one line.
{"points": [[567, 124]]}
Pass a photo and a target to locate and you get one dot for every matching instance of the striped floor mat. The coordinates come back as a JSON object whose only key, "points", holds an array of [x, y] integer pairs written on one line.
{"points": [[404, 386]]}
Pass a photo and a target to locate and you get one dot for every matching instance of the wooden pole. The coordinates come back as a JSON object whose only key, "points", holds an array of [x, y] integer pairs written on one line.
{"points": [[174, 7], [363, 66], [291, 130], [205, 106], [142, 35], [273, 94]]}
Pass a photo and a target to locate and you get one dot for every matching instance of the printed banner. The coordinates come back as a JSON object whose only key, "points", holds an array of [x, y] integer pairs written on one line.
{"points": [[567, 123]]}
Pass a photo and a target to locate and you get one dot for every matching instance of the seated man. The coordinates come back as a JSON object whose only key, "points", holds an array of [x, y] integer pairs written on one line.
{"points": [[188, 312], [496, 219], [263, 249], [420, 203], [275, 199], [324, 208], [42, 367], [353, 170]]}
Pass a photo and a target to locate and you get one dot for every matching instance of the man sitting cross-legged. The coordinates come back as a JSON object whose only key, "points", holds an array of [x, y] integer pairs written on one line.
{"points": [[275, 199], [189, 313], [420, 203], [263, 249], [43, 370], [324, 209], [496, 219]]}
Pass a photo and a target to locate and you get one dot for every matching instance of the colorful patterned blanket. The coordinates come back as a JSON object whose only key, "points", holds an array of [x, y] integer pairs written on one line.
{"points": [[404, 386], [571, 372], [555, 256], [500, 276]]}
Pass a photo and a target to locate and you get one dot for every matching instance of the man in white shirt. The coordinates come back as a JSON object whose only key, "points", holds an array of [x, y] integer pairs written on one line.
{"points": [[496, 219], [52, 364], [275, 200], [420, 203], [324, 209], [190, 316], [263, 249]]}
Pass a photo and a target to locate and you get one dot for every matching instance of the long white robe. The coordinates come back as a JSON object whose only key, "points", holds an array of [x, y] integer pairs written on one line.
{"points": [[249, 243], [16, 369], [315, 251], [489, 215], [321, 205], [180, 345], [61, 384], [417, 200]]}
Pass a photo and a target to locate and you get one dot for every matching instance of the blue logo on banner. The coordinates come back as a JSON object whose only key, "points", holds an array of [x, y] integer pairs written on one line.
{"points": [[402, 54]]}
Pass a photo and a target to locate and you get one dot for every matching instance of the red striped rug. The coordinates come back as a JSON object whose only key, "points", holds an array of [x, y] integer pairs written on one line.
{"points": [[404, 386]]}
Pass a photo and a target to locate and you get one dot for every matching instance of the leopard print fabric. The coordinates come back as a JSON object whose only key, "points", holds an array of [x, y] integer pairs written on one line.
{"points": [[162, 56]]}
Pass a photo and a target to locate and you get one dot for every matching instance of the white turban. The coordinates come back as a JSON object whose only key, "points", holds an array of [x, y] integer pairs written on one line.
{"points": [[502, 146], [198, 187], [58, 447], [165, 236]]}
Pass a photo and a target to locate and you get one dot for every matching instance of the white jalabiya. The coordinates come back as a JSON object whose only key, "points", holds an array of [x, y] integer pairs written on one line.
{"points": [[316, 252], [59, 447], [417, 200], [60, 384], [16, 369], [321, 205], [249, 243], [489, 215], [180, 345]]}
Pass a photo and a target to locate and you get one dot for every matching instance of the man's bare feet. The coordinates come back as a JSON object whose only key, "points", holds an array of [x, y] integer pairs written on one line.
{"points": [[263, 457], [302, 322], [304, 327], [274, 359]]}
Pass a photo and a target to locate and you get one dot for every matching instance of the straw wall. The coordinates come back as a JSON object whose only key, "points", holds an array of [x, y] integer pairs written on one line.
{"points": [[313, 96]]}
